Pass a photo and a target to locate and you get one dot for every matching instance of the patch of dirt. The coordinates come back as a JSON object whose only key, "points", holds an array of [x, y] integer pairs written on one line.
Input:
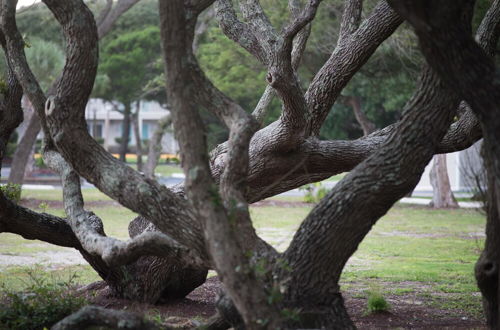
{"points": [[406, 312], [199, 304], [49, 259], [34, 203]]}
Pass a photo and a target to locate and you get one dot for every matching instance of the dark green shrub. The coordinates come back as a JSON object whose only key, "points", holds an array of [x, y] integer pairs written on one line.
{"points": [[40, 306], [12, 144], [12, 191], [376, 302], [173, 160], [39, 162], [314, 192]]}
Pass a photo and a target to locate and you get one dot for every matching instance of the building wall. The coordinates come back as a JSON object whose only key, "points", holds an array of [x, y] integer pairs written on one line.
{"points": [[461, 165], [108, 124]]}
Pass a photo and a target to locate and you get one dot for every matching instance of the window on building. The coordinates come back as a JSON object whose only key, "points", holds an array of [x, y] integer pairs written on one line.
{"points": [[98, 129]]}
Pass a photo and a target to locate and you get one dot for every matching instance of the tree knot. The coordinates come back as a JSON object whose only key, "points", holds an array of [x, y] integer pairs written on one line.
{"points": [[50, 105]]}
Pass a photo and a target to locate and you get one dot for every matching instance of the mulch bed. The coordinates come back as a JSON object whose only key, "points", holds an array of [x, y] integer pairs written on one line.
{"points": [[200, 305]]}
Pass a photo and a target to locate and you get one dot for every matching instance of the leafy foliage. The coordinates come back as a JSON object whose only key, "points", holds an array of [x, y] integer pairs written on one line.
{"points": [[130, 61], [46, 60], [12, 191], [40, 306], [314, 192], [376, 302]]}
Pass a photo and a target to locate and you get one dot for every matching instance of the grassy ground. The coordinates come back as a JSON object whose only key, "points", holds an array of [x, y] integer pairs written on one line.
{"points": [[163, 169], [427, 253]]}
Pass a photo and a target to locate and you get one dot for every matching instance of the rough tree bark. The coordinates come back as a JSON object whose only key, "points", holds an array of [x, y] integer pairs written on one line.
{"points": [[449, 48], [11, 113], [442, 196]]}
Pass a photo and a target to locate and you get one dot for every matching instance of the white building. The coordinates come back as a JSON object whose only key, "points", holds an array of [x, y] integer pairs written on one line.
{"points": [[108, 124], [463, 167]]}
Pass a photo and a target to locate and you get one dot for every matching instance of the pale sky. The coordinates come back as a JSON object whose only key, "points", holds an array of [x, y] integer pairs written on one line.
{"points": [[22, 3]]}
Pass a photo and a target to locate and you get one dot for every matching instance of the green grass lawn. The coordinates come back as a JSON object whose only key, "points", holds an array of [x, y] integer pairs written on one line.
{"points": [[89, 195], [163, 169], [429, 253]]}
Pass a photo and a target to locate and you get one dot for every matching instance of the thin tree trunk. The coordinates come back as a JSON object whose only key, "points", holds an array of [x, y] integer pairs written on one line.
{"points": [[155, 146], [137, 134], [442, 195], [366, 124], [24, 150], [30, 164], [125, 133]]}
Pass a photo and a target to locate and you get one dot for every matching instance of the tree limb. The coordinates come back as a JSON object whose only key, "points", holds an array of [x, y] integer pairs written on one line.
{"points": [[351, 18], [109, 16], [346, 60], [11, 113], [220, 228], [238, 31], [92, 316]]}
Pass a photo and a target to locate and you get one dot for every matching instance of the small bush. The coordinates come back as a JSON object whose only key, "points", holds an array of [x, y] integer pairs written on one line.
{"points": [[40, 306], [39, 162], [12, 191], [314, 192], [376, 302], [172, 160]]}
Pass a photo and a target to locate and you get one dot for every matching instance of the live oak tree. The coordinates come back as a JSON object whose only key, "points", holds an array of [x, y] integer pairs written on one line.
{"points": [[183, 232]]}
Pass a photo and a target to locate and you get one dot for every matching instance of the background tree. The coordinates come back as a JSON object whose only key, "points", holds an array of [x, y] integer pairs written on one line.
{"points": [[137, 52], [47, 59]]}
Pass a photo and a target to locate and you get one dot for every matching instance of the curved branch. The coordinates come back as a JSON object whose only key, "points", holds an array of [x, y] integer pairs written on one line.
{"points": [[366, 194], [351, 18], [346, 60], [91, 316], [109, 15], [226, 224], [259, 23], [300, 21], [11, 113], [488, 32], [15, 50], [238, 31], [32, 225]]}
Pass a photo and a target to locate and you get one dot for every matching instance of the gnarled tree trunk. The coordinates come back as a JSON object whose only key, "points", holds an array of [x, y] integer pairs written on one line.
{"points": [[442, 196]]}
